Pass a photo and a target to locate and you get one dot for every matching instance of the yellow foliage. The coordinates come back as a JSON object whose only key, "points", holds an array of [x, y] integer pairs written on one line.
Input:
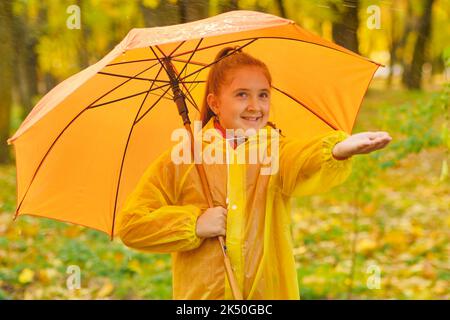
{"points": [[105, 290], [153, 4], [30, 230], [118, 257], [160, 264], [366, 246], [72, 231], [369, 209], [135, 266], [26, 276], [396, 238], [428, 270]]}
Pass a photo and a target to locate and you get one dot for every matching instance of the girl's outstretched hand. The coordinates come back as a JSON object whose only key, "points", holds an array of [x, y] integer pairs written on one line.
{"points": [[359, 143]]}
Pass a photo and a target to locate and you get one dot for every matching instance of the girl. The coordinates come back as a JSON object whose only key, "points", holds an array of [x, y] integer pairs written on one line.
{"points": [[168, 212]]}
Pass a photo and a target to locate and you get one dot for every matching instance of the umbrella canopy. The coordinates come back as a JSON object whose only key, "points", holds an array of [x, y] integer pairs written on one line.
{"points": [[84, 146]]}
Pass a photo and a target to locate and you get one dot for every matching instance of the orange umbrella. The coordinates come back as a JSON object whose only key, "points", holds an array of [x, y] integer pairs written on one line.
{"points": [[84, 146]]}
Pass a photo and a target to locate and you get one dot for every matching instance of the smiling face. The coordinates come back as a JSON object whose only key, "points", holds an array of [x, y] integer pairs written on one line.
{"points": [[244, 100]]}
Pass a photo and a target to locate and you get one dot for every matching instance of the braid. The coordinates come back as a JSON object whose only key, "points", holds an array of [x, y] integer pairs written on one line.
{"points": [[271, 124]]}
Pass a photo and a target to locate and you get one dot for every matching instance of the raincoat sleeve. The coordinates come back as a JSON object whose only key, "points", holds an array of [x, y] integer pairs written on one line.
{"points": [[310, 168], [149, 220]]}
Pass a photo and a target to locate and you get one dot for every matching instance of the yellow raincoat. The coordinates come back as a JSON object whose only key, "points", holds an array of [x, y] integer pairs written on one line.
{"points": [[160, 215]]}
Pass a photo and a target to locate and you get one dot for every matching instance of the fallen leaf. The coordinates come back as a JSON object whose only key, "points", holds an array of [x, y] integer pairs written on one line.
{"points": [[26, 276]]}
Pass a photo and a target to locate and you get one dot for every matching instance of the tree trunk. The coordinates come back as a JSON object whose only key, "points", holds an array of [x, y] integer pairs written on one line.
{"points": [[281, 8], [410, 26], [25, 62], [182, 9], [229, 5], [6, 75], [393, 45], [83, 55], [165, 14], [192, 11], [345, 24], [413, 74]]}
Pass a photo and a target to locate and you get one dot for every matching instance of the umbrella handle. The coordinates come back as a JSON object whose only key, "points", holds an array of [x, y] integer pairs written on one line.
{"points": [[237, 294]]}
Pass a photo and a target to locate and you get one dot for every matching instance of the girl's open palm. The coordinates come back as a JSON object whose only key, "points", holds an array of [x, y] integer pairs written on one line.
{"points": [[359, 143]]}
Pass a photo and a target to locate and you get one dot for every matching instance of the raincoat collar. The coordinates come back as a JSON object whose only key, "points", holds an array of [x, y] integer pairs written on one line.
{"points": [[221, 133]]}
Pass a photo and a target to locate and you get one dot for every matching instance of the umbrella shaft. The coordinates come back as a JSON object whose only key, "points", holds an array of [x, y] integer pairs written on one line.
{"points": [[180, 101], [178, 95]]}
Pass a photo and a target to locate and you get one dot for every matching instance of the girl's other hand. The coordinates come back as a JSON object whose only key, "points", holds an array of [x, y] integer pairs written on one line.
{"points": [[212, 223], [364, 142]]}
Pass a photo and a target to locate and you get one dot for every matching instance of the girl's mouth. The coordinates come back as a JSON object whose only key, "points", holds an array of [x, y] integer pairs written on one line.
{"points": [[252, 119]]}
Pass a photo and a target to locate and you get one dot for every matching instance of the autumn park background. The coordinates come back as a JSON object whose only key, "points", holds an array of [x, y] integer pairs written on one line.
{"points": [[384, 234]]}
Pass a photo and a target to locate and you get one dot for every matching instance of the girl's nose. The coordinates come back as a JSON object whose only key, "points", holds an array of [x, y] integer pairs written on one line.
{"points": [[253, 105]]}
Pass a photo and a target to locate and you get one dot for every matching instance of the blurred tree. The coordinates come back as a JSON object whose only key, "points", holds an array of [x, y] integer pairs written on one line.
{"points": [[281, 8], [191, 11], [27, 21], [6, 75], [397, 35], [84, 34], [412, 75], [182, 9], [159, 12], [346, 23], [228, 5]]}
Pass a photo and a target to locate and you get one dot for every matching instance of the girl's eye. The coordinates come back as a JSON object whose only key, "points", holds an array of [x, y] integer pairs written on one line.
{"points": [[264, 95], [242, 94]]}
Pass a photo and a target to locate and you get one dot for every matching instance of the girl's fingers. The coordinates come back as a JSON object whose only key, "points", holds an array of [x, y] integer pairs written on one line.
{"points": [[379, 135], [376, 140], [372, 147], [381, 140], [378, 145], [376, 134], [382, 143]]}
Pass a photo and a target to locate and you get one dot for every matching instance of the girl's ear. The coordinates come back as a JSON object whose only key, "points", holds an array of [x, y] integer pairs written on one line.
{"points": [[212, 103]]}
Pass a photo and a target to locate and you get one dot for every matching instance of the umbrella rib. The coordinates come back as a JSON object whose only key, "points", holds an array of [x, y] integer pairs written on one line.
{"points": [[190, 57], [144, 60], [305, 106], [161, 63], [244, 39], [214, 62], [212, 46], [148, 110], [125, 151], [127, 97], [162, 52], [159, 60], [191, 62], [280, 38], [154, 59], [173, 51], [63, 130], [140, 78], [129, 77], [194, 83], [188, 96], [132, 61], [188, 90], [173, 56]]}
